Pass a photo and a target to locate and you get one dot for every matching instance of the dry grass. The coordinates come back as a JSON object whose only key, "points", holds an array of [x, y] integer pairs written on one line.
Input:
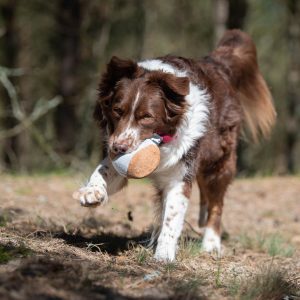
{"points": [[51, 248], [270, 283]]}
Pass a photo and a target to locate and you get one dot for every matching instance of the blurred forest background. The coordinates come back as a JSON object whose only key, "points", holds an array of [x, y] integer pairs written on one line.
{"points": [[52, 54]]}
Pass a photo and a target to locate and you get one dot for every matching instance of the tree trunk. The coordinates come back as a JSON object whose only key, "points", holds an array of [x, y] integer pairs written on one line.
{"points": [[293, 83], [141, 28], [237, 11], [10, 147], [229, 14], [221, 11], [66, 122]]}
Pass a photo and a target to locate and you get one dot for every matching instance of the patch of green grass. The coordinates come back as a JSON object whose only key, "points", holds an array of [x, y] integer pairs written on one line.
{"points": [[246, 241], [7, 215], [274, 244], [218, 281], [3, 220], [268, 284], [234, 286], [170, 267], [189, 248], [8, 253], [142, 255], [25, 190], [5, 256]]}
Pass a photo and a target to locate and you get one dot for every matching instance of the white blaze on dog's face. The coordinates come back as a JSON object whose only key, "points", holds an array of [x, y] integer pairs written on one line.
{"points": [[136, 103], [126, 134]]}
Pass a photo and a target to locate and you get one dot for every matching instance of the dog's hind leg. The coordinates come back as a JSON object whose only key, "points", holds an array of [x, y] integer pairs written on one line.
{"points": [[213, 187], [203, 206]]}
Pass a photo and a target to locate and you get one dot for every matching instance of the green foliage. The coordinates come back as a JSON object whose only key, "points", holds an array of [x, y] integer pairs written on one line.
{"points": [[273, 244], [276, 246], [8, 253], [218, 281], [5, 217], [170, 267], [5, 255], [3, 220], [142, 254], [189, 247]]}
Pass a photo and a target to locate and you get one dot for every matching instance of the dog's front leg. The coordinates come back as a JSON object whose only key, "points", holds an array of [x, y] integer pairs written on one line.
{"points": [[175, 201], [104, 182]]}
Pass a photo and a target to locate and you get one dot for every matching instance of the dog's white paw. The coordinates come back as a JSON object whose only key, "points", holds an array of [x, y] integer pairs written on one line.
{"points": [[211, 241], [91, 195], [165, 252]]}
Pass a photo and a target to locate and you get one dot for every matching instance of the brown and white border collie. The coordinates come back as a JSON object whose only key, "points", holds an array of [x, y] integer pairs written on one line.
{"points": [[202, 105]]}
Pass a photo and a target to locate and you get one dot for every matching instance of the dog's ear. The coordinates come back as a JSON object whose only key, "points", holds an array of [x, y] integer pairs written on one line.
{"points": [[174, 89], [116, 70], [121, 67]]}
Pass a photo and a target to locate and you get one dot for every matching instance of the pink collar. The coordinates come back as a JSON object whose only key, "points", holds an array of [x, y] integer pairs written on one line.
{"points": [[166, 138]]}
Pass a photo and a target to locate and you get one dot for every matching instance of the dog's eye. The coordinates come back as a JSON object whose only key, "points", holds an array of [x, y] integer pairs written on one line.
{"points": [[118, 111], [146, 116], [146, 120]]}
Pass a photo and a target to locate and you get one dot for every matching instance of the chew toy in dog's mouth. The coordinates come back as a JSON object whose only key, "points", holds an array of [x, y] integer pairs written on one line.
{"points": [[140, 162]]}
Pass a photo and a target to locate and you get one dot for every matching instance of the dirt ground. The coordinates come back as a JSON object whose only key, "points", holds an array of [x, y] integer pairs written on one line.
{"points": [[52, 248]]}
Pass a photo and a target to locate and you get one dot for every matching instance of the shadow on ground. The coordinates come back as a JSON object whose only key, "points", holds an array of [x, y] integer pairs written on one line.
{"points": [[109, 243], [47, 278]]}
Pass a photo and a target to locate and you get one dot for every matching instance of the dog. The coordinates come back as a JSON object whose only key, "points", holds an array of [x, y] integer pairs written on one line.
{"points": [[203, 106]]}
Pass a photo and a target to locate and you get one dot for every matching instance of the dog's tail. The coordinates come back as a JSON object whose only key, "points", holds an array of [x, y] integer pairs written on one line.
{"points": [[237, 53]]}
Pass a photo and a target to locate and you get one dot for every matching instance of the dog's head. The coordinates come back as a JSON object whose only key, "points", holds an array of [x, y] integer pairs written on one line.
{"points": [[135, 103]]}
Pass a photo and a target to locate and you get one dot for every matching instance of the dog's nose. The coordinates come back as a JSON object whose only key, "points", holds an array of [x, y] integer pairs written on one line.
{"points": [[120, 148]]}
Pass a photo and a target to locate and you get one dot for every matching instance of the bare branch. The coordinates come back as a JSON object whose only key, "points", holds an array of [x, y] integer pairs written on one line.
{"points": [[37, 113], [41, 108]]}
